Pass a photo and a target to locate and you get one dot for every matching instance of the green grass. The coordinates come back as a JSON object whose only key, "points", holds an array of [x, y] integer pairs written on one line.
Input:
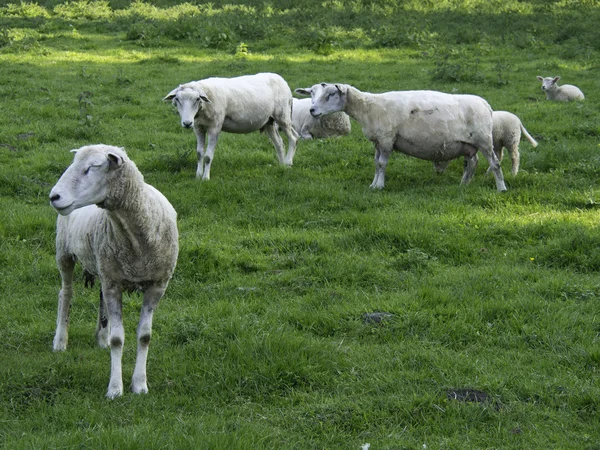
{"points": [[261, 340]]}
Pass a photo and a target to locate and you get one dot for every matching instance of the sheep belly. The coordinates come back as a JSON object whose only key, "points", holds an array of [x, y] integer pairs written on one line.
{"points": [[247, 125], [433, 149]]}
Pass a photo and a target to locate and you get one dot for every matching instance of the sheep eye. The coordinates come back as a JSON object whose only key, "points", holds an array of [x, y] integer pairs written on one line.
{"points": [[87, 170]]}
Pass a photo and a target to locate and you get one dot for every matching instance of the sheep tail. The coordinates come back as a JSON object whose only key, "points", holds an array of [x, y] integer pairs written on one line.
{"points": [[531, 140]]}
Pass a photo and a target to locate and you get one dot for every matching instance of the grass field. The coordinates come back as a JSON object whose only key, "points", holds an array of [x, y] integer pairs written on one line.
{"points": [[264, 338]]}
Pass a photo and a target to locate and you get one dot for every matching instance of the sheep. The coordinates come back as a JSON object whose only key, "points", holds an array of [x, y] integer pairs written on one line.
{"points": [[236, 105], [309, 127], [506, 133], [428, 125], [121, 230], [564, 93]]}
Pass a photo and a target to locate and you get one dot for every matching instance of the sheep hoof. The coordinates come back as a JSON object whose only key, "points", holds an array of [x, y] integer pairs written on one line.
{"points": [[143, 389], [114, 392]]}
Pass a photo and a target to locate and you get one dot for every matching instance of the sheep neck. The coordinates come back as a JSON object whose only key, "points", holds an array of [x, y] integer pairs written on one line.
{"points": [[358, 104], [127, 210]]}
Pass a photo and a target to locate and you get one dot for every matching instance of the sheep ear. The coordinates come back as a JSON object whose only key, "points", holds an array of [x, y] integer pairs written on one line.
{"points": [[303, 91], [340, 89], [171, 95], [323, 84], [114, 160], [556, 79], [204, 98], [540, 78]]}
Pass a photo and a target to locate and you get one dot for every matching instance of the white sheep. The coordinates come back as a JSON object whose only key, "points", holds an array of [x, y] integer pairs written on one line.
{"points": [[506, 133], [236, 105], [564, 93], [125, 232], [425, 124], [309, 127]]}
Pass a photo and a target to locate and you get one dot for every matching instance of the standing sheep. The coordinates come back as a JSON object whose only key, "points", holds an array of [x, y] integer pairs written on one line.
{"points": [[506, 133], [236, 105], [425, 124], [564, 93], [309, 127], [125, 232]]}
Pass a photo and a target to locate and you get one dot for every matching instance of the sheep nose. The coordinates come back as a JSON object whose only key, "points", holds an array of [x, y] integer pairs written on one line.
{"points": [[54, 197], [187, 124]]}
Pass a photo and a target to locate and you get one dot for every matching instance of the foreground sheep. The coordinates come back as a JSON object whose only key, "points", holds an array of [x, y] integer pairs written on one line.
{"points": [[506, 133], [425, 124], [236, 105], [122, 230], [564, 93], [309, 127]]}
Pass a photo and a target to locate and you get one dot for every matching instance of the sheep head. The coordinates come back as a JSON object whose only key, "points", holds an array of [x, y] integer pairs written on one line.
{"points": [[549, 83], [85, 182], [326, 98], [188, 99]]}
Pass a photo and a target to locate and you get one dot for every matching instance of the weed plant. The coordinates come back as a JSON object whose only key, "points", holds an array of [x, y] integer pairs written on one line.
{"points": [[306, 310]]}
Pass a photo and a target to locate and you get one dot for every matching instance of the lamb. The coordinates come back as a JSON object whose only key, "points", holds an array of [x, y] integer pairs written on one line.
{"points": [[564, 93], [428, 125], [309, 127], [506, 133], [236, 105], [125, 232]]}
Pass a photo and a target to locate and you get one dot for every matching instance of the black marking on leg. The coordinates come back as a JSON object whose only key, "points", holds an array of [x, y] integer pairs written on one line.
{"points": [[116, 342], [145, 339]]}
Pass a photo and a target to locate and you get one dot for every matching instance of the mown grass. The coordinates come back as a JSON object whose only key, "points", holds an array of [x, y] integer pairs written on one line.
{"points": [[262, 339]]}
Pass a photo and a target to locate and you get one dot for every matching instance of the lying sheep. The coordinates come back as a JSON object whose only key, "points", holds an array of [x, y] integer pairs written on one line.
{"points": [[309, 127], [564, 93], [425, 124], [506, 133], [125, 232], [236, 105]]}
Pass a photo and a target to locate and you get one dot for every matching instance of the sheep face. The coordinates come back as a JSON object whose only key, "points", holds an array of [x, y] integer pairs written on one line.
{"points": [[188, 101], [326, 98], [85, 180], [549, 83]]}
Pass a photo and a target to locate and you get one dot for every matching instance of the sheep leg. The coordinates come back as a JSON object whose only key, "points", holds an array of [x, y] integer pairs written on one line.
{"points": [[102, 327], [513, 151], [382, 157], [200, 145], [113, 298], [495, 168], [470, 166], [499, 151], [213, 137], [66, 266], [144, 332], [440, 166], [292, 137], [276, 140]]}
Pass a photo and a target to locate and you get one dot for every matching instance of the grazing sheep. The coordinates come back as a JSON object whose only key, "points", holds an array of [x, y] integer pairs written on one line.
{"points": [[425, 124], [309, 127], [236, 105], [506, 133], [125, 232], [564, 93]]}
